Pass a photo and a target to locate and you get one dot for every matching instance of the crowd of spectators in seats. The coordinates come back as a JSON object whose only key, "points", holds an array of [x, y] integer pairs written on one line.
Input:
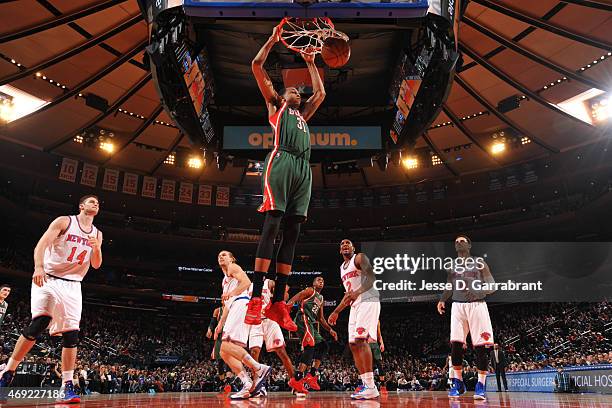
{"points": [[119, 347]]}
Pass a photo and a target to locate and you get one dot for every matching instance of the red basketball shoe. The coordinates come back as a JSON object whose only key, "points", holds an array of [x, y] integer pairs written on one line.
{"points": [[280, 314], [253, 314], [312, 382], [298, 386]]}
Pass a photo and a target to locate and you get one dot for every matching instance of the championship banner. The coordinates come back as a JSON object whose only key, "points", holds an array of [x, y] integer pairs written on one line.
{"points": [[205, 195], [149, 185], [89, 176], [68, 170], [111, 179], [130, 183], [321, 137], [168, 190], [222, 198], [186, 193]]}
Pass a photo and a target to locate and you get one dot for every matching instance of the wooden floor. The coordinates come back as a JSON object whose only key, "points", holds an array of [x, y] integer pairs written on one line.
{"points": [[335, 399]]}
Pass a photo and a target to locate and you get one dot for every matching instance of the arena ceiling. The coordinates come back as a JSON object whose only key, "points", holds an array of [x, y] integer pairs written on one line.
{"points": [[542, 52]]}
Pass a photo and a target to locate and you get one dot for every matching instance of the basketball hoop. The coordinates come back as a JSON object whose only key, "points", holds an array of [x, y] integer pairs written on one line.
{"points": [[307, 35]]}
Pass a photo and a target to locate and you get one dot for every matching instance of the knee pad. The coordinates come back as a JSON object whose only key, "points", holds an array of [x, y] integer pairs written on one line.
{"points": [[457, 353], [36, 327], [286, 250], [270, 229], [307, 356], [70, 339], [482, 362], [320, 351]]}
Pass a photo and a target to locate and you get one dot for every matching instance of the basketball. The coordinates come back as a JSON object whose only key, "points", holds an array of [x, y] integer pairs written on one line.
{"points": [[336, 52]]}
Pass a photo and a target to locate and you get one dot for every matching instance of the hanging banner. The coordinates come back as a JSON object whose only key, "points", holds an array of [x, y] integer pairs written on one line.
{"points": [[68, 170], [130, 183], [149, 185], [111, 179], [89, 176], [186, 193], [205, 195], [222, 199], [168, 190]]}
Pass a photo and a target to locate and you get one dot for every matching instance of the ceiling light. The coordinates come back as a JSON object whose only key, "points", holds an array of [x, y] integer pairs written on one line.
{"points": [[194, 162], [498, 147], [410, 162], [107, 146]]}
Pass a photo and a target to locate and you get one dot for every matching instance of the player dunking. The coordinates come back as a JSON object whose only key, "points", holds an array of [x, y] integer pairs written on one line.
{"points": [[61, 261], [313, 345], [271, 332], [286, 183], [235, 333], [469, 313], [358, 280]]}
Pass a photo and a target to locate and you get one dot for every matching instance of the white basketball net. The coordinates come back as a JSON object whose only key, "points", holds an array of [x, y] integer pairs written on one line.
{"points": [[308, 35]]}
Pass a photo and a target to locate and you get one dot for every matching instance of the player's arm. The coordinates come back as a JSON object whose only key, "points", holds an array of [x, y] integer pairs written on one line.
{"points": [[362, 262], [323, 322], [244, 282], [213, 323], [487, 278], [96, 250], [298, 297], [446, 294], [55, 229], [344, 303], [313, 103], [273, 100], [380, 339], [222, 320]]}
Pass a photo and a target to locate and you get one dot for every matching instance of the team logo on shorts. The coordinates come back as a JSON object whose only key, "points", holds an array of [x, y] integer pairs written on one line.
{"points": [[276, 342], [360, 330], [485, 335]]}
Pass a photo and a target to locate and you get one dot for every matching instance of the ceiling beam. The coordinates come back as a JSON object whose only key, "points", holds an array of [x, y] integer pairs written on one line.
{"points": [[88, 82], [467, 132], [72, 52], [532, 56], [590, 3], [143, 126], [173, 146], [438, 153], [515, 84], [503, 117], [64, 19], [131, 92], [544, 25]]}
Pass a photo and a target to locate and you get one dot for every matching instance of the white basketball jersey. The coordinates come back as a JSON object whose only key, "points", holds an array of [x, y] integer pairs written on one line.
{"points": [[69, 255], [351, 279], [266, 296], [229, 284]]}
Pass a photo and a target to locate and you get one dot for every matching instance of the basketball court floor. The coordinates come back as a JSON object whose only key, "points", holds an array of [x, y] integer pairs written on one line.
{"points": [[334, 399]]}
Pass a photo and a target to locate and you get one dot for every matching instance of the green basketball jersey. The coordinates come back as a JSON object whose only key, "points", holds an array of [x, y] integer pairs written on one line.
{"points": [[3, 307], [310, 306], [291, 132]]}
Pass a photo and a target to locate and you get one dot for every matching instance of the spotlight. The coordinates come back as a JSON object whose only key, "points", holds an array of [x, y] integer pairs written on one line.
{"points": [[194, 162], [498, 147], [107, 147], [410, 162], [170, 159]]}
